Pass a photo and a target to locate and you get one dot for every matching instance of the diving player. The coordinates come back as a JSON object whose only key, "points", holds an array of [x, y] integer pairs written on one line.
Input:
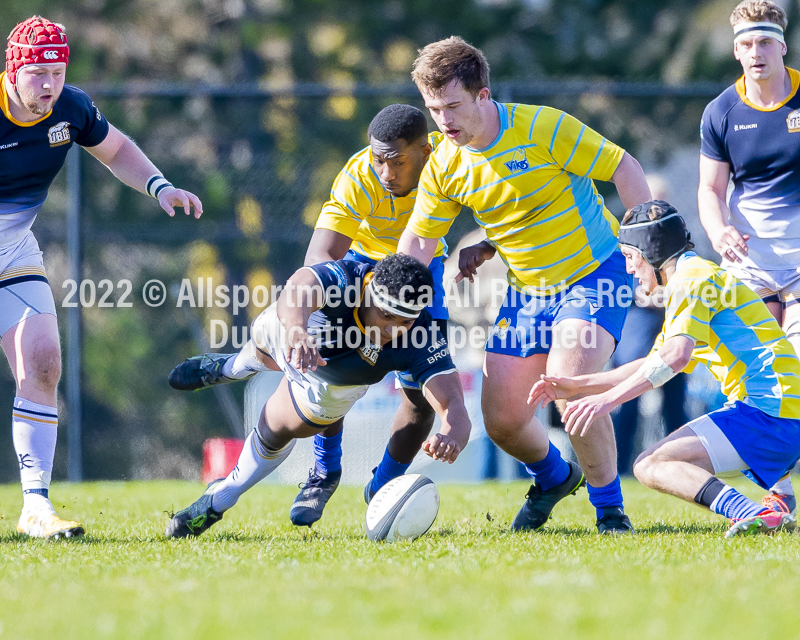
{"points": [[337, 328], [371, 201], [715, 319], [42, 117], [751, 133], [527, 174]]}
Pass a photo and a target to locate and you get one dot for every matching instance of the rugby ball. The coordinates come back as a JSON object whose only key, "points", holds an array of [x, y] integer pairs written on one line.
{"points": [[403, 509]]}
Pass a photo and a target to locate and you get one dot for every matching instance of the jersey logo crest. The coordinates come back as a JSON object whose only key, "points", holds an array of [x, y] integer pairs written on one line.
{"points": [[793, 121], [370, 353], [519, 162], [59, 134]]}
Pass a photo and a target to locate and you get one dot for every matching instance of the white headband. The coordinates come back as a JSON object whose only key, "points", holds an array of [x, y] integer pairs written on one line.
{"points": [[764, 29], [382, 299]]}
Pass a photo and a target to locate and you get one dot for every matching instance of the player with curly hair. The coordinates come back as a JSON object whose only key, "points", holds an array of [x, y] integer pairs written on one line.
{"points": [[337, 328]]}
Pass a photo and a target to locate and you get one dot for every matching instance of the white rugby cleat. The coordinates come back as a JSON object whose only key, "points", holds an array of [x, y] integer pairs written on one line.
{"points": [[47, 524]]}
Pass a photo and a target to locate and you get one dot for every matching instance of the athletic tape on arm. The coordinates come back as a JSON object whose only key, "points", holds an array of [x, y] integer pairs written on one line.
{"points": [[656, 370]]}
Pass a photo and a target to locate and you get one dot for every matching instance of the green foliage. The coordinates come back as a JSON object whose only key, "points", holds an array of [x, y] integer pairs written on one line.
{"points": [[254, 576]]}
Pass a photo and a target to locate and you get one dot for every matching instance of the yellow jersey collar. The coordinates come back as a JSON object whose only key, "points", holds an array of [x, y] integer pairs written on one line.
{"points": [[794, 76], [367, 279], [7, 109]]}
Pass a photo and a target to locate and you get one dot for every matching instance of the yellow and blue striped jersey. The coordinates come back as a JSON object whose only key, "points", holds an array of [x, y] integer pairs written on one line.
{"points": [[735, 335], [360, 208], [532, 191]]}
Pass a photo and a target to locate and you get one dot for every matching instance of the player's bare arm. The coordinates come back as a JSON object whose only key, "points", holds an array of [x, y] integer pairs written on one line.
{"points": [[579, 415], [714, 212], [423, 249], [630, 182], [325, 246], [551, 388], [132, 167], [446, 396], [302, 296], [472, 257]]}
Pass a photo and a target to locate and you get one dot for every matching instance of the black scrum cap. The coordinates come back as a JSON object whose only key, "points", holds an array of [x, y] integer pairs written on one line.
{"points": [[657, 231]]}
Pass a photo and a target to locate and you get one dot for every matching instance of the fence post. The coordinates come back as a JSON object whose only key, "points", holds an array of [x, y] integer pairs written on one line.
{"points": [[73, 368]]}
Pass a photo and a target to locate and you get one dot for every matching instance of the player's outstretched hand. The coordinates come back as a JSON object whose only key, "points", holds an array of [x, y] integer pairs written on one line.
{"points": [[441, 446], [729, 243], [171, 197], [551, 388], [580, 413], [302, 351], [472, 257]]}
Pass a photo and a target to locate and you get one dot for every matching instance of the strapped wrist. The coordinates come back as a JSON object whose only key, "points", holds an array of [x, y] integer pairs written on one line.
{"points": [[156, 184]]}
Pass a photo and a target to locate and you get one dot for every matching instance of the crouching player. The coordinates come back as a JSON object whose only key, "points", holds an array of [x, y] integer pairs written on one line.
{"points": [[337, 328], [711, 318]]}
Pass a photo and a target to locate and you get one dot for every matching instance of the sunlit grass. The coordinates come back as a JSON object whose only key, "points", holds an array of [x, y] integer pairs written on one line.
{"points": [[255, 576]]}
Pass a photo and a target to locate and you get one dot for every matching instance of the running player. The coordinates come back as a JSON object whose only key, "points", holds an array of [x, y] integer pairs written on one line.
{"points": [[371, 201], [526, 172], [42, 118], [337, 328], [752, 133], [711, 318]]}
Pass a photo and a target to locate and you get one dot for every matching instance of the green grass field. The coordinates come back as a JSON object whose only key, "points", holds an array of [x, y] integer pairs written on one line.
{"points": [[255, 576]]}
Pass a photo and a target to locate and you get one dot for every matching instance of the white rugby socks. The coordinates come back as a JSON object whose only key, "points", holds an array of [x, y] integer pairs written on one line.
{"points": [[34, 431], [255, 463], [243, 364]]}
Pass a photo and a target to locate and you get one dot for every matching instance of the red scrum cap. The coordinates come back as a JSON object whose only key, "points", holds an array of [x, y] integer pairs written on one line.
{"points": [[35, 41]]}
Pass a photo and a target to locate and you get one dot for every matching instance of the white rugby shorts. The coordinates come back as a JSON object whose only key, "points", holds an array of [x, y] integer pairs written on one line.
{"points": [[317, 402], [24, 290], [778, 286]]}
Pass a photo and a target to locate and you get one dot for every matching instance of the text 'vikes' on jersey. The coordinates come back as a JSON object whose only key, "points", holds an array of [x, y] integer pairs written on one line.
{"points": [[360, 208], [351, 359], [32, 154], [762, 148], [532, 190]]}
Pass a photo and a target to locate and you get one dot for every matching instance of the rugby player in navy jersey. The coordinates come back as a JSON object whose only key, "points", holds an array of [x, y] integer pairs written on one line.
{"points": [[337, 328], [42, 117], [751, 133]]}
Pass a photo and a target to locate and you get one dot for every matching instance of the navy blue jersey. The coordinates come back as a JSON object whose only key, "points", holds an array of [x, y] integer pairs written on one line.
{"points": [[762, 148], [32, 154], [351, 358]]}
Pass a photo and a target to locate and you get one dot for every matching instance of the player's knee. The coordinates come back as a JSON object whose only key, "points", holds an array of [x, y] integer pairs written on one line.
{"points": [[644, 467], [43, 365], [503, 429]]}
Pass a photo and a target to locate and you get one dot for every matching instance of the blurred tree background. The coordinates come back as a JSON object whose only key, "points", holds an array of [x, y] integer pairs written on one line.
{"points": [[302, 80]]}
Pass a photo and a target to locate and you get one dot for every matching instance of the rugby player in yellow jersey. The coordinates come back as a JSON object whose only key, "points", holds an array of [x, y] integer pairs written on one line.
{"points": [[715, 319], [370, 203], [526, 172]]}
